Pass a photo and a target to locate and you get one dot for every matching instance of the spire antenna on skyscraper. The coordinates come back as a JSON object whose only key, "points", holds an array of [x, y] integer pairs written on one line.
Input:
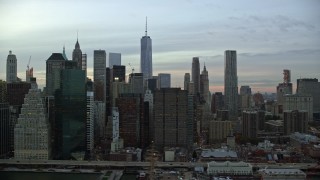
{"points": [[146, 26]]}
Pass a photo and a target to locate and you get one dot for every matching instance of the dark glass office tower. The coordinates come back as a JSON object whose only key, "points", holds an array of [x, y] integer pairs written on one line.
{"points": [[70, 102]]}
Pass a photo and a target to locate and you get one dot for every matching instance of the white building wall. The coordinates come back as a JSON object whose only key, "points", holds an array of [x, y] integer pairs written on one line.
{"points": [[90, 121], [31, 133]]}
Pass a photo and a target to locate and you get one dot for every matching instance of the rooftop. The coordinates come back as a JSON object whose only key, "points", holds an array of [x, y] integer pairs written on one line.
{"points": [[56, 56], [282, 171], [218, 153]]}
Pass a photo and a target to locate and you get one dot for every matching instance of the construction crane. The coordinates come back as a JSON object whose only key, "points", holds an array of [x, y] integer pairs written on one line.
{"points": [[28, 63], [132, 69]]}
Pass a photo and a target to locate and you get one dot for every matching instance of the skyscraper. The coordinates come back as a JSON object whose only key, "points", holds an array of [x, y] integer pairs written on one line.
{"points": [[11, 68], [114, 59], [55, 63], [131, 110], [295, 121], [231, 83], [171, 118], [99, 75], [310, 87], [196, 74], [204, 86], [146, 56], [164, 80], [77, 55], [31, 133], [186, 81]]}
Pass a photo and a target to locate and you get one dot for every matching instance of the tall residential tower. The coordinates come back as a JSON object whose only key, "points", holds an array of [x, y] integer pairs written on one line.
{"points": [[231, 83]]}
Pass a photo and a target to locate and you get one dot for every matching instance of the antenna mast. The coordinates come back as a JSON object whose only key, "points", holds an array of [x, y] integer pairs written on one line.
{"points": [[146, 26]]}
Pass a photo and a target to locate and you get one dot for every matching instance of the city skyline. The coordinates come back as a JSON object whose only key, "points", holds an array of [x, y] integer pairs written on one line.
{"points": [[268, 36]]}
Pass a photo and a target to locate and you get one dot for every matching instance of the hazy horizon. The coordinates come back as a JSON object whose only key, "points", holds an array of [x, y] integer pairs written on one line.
{"points": [[269, 36]]}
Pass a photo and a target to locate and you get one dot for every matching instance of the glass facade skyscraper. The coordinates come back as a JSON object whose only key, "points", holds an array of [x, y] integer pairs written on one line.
{"points": [[146, 56], [70, 102]]}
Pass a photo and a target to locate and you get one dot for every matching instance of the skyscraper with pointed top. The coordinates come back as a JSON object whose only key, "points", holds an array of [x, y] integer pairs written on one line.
{"points": [[77, 55], [146, 55], [11, 68], [204, 85]]}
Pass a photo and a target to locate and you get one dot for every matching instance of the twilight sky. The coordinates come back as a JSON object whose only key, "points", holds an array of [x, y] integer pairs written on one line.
{"points": [[269, 36]]}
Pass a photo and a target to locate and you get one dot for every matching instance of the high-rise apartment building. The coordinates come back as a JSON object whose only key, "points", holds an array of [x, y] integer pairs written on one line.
{"points": [[195, 73], [171, 117], [77, 55], [164, 80], [11, 68], [245, 97], [55, 63], [310, 87], [231, 83], [99, 75], [252, 123], [219, 130], [31, 133], [295, 121], [299, 102], [146, 56], [114, 59], [131, 114]]}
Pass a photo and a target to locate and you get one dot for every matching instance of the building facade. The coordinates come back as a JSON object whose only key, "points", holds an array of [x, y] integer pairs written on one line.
{"points": [[99, 75], [310, 87], [219, 130], [195, 73], [295, 121], [299, 102], [54, 64], [164, 80], [252, 123], [231, 83], [131, 114], [70, 104], [31, 133], [90, 121], [170, 117]]}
